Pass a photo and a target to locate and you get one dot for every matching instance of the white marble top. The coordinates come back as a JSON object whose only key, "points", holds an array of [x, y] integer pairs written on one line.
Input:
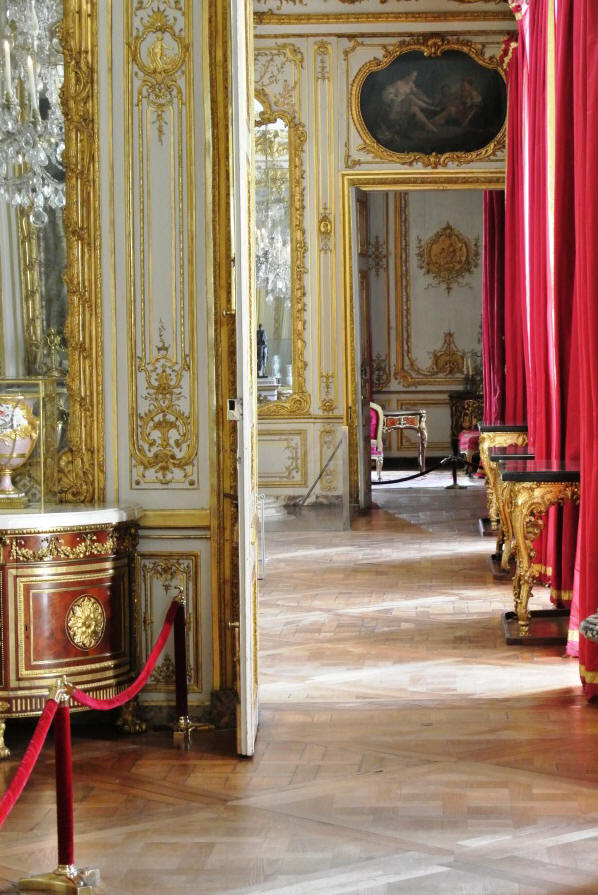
{"points": [[65, 515]]}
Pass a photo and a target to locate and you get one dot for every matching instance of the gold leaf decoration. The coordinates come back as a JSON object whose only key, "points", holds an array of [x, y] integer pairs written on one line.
{"points": [[85, 622], [448, 256]]}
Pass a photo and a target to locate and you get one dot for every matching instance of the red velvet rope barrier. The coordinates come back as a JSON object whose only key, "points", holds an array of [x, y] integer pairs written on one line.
{"points": [[31, 755], [135, 687]]}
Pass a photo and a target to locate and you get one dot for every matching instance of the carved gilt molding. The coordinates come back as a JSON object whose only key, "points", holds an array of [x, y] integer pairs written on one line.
{"points": [[158, 573], [81, 465], [278, 89], [160, 197]]}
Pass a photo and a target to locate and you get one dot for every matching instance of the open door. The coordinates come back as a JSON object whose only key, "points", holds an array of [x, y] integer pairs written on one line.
{"points": [[363, 350], [243, 251]]}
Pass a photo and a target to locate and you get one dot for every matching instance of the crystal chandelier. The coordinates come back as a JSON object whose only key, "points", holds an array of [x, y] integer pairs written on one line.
{"points": [[31, 120]]}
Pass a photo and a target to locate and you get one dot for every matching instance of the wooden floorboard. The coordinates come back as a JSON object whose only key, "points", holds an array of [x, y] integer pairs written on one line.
{"points": [[403, 747]]}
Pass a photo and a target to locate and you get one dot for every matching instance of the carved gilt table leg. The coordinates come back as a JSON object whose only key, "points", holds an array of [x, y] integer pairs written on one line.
{"points": [[423, 441], [129, 720], [530, 502], [489, 440], [4, 750], [491, 470], [505, 509]]}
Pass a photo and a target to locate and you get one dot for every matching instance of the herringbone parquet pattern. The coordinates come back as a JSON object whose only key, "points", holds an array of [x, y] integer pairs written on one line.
{"points": [[403, 747]]}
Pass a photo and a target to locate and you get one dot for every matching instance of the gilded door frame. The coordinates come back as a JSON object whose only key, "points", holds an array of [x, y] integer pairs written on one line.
{"points": [[382, 181]]}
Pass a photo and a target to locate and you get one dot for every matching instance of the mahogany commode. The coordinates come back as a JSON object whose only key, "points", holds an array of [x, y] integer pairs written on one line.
{"points": [[66, 607]]}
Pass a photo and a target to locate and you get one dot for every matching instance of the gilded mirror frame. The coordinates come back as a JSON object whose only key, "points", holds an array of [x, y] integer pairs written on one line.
{"points": [[299, 401], [81, 463]]}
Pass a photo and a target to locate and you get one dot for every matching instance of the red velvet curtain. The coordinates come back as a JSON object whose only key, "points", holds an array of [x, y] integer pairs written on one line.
{"points": [[530, 161], [543, 295], [493, 306], [577, 45], [566, 432], [515, 409]]}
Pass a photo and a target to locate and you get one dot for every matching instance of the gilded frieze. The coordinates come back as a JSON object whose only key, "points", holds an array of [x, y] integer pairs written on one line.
{"points": [[162, 350]]}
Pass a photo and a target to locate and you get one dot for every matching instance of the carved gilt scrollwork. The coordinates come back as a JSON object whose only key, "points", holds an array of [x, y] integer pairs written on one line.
{"points": [[163, 411], [81, 465], [490, 440], [530, 502]]}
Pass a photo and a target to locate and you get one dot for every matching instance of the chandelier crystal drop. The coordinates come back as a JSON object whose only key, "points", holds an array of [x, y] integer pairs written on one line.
{"points": [[31, 120]]}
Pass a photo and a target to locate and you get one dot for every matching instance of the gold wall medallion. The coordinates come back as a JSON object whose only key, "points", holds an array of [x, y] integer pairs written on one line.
{"points": [[407, 118], [448, 256], [85, 622]]}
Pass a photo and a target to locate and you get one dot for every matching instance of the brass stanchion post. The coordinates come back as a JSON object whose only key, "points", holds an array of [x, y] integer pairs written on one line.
{"points": [[183, 725], [67, 878]]}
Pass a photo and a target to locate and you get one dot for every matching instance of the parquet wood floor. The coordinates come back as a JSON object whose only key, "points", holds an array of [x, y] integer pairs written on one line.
{"points": [[403, 747]]}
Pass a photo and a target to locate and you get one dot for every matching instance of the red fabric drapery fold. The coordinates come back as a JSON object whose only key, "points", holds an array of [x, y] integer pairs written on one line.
{"points": [[577, 42], [493, 306], [515, 406], [565, 440]]}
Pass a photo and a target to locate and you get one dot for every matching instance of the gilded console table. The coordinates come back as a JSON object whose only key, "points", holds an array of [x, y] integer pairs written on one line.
{"points": [[534, 486], [494, 435], [409, 419], [500, 561], [66, 604]]}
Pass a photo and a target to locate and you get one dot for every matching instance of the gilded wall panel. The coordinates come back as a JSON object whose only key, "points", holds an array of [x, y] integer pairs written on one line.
{"points": [[325, 208], [283, 458], [438, 319], [160, 231], [159, 574]]}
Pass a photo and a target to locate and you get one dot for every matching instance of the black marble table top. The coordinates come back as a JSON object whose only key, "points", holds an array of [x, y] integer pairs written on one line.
{"points": [[502, 427], [512, 452], [538, 471]]}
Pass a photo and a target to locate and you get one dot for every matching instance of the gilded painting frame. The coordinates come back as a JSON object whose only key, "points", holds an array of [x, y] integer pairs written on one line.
{"points": [[299, 401], [385, 180], [433, 47]]}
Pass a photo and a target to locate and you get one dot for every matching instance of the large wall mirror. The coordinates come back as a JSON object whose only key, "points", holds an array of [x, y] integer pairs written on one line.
{"points": [[51, 306], [280, 261]]}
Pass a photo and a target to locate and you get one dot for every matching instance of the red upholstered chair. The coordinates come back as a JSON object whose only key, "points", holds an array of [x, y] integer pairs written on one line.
{"points": [[377, 449], [469, 445]]}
